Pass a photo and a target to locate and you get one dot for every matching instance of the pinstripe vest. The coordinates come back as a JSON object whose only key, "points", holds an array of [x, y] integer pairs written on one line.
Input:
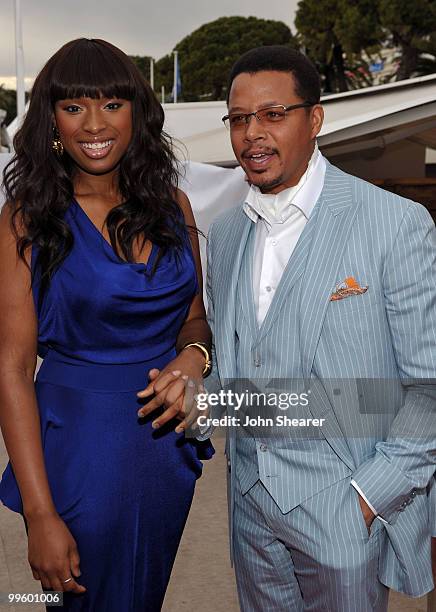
{"points": [[293, 464]]}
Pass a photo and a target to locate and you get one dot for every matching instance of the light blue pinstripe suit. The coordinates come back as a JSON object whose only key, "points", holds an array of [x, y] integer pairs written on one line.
{"points": [[389, 332]]}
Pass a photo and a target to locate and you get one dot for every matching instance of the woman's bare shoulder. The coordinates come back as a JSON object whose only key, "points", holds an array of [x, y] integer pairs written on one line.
{"points": [[185, 206], [12, 228]]}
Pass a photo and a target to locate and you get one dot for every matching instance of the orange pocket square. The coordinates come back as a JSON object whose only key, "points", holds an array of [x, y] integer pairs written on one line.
{"points": [[348, 287]]}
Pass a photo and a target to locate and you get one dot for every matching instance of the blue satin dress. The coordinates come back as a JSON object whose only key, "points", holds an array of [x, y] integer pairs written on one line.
{"points": [[123, 489]]}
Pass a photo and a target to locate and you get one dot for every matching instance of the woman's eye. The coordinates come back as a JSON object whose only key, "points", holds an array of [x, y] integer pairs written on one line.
{"points": [[72, 108], [113, 105]]}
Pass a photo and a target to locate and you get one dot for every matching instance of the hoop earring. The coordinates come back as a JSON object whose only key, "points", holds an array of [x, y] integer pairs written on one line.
{"points": [[57, 145]]}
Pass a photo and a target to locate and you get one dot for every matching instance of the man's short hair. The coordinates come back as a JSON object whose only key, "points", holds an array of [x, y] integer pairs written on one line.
{"points": [[282, 59]]}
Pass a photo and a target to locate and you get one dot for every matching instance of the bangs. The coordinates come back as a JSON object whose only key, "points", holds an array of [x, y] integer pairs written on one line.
{"points": [[90, 69]]}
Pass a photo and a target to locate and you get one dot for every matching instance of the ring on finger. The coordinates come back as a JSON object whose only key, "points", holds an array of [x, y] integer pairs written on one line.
{"points": [[67, 580]]}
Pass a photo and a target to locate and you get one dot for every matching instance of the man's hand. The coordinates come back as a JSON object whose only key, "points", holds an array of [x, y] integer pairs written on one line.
{"points": [[368, 514]]}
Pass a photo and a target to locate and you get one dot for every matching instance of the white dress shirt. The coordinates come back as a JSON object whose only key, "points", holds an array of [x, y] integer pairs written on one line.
{"points": [[280, 220]]}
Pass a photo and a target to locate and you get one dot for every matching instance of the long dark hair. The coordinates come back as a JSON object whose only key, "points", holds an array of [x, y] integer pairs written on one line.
{"points": [[39, 186]]}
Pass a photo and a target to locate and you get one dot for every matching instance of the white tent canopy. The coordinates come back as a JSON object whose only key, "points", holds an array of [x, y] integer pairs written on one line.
{"points": [[393, 111]]}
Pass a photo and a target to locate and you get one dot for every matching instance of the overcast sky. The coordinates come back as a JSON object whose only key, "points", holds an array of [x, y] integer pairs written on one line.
{"points": [[138, 27]]}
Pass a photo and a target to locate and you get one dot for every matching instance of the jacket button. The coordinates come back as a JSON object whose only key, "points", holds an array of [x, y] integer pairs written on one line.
{"points": [[257, 362], [263, 447]]}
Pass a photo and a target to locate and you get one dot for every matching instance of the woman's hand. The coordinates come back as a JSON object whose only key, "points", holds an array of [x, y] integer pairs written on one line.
{"points": [[174, 387], [52, 554]]}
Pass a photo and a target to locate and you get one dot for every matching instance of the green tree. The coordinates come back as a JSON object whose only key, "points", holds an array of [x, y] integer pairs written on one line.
{"points": [[206, 55], [427, 60], [143, 63], [164, 75], [334, 33], [412, 26], [315, 22]]}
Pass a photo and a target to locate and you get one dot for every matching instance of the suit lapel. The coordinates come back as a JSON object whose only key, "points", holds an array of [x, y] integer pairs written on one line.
{"points": [[245, 284], [337, 213], [225, 291]]}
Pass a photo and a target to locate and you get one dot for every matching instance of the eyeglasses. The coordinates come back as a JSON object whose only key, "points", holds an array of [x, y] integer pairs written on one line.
{"points": [[265, 116]]}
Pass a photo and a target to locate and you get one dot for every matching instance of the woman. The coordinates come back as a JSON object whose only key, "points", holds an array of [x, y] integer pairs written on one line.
{"points": [[95, 223]]}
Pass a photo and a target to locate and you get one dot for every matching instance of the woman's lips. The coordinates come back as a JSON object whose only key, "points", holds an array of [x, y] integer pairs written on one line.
{"points": [[97, 150]]}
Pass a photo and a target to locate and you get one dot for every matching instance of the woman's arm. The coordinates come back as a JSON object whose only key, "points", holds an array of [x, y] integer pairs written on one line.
{"points": [[195, 328], [19, 418], [168, 385], [52, 550]]}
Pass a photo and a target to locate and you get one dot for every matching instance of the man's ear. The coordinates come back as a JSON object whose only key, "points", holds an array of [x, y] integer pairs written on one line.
{"points": [[317, 119]]}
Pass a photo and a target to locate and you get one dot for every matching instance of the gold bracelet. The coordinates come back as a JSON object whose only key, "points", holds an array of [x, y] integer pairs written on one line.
{"points": [[203, 348]]}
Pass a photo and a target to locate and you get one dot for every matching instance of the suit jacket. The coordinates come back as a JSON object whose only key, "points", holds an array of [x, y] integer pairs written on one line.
{"points": [[388, 244]]}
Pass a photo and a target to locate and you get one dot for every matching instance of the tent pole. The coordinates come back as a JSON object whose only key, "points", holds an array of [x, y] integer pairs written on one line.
{"points": [[19, 63]]}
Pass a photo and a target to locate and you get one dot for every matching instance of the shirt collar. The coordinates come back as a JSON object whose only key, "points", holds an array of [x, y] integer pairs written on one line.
{"points": [[280, 207]]}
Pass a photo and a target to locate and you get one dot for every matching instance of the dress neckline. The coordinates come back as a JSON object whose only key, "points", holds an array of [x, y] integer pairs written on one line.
{"points": [[146, 266]]}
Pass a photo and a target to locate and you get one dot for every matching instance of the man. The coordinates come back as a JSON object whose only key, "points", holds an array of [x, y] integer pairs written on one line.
{"points": [[324, 280]]}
